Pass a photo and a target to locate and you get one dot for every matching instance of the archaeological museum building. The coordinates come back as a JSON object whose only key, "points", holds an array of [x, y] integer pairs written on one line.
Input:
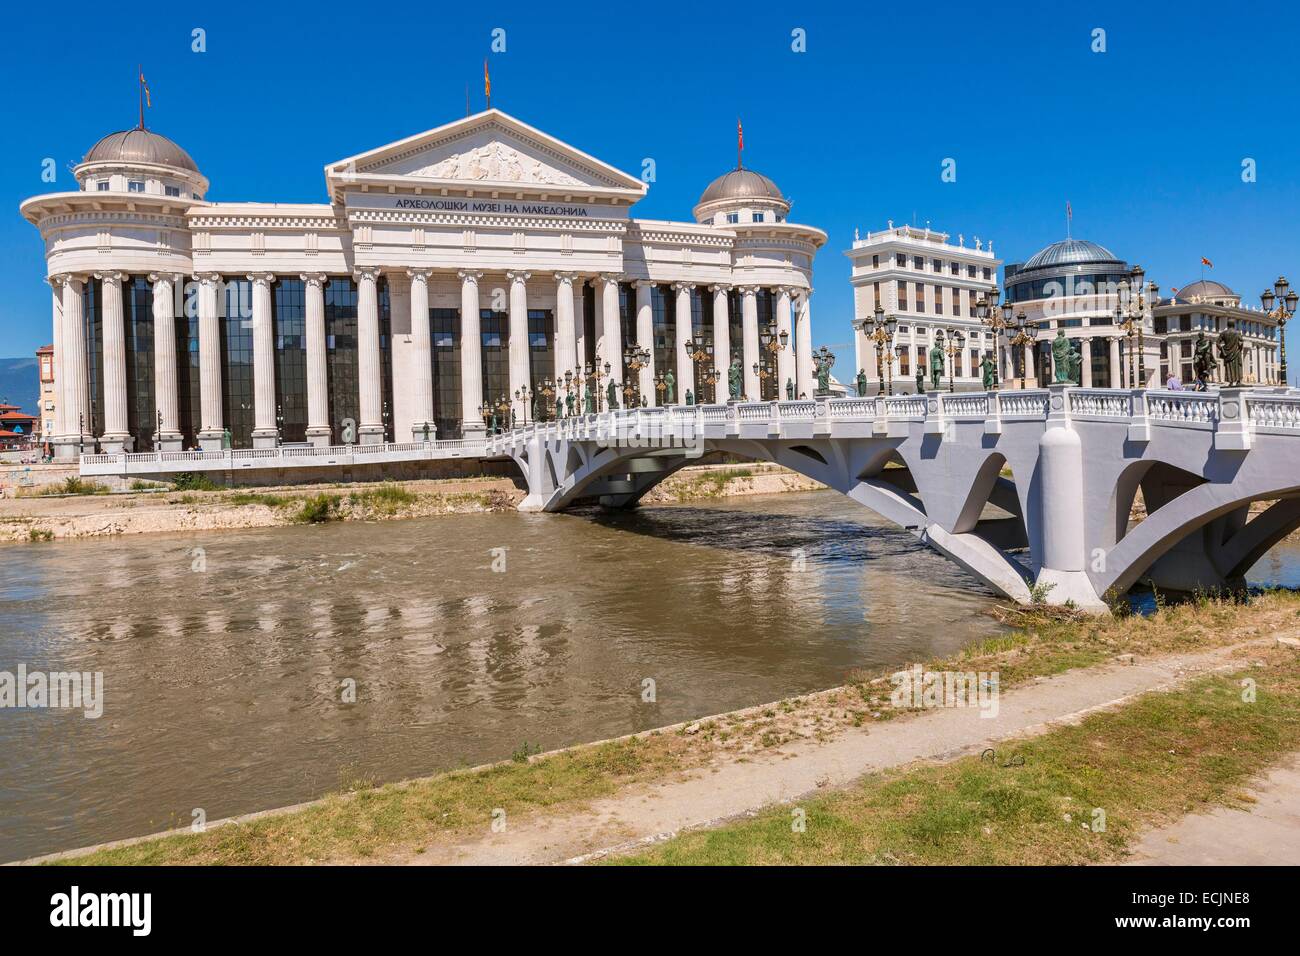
{"points": [[467, 276]]}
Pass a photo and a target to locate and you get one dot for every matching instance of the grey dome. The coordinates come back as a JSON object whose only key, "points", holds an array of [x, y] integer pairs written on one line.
{"points": [[1204, 289], [741, 184], [1069, 252], [140, 146]]}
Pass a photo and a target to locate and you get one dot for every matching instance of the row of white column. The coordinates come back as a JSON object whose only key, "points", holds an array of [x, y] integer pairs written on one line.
{"points": [[72, 415]]}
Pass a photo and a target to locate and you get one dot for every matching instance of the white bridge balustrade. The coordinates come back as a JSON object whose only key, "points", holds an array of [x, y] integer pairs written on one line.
{"points": [[1031, 491]]}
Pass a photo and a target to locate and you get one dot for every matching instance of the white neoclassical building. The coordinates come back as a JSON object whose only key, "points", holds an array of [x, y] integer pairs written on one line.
{"points": [[473, 270]]}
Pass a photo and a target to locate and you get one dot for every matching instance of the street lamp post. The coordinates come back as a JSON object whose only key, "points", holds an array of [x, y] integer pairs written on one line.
{"points": [[1130, 315], [1286, 297], [699, 353], [882, 334], [634, 359], [1023, 339], [998, 320], [956, 342]]}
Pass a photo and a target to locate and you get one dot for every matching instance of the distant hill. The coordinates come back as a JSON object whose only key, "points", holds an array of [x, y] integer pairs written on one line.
{"points": [[20, 383]]}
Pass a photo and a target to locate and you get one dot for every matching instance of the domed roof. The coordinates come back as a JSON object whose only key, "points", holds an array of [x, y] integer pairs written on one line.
{"points": [[741, 183], [1069, 252], [1204, 289], [140, 146]]}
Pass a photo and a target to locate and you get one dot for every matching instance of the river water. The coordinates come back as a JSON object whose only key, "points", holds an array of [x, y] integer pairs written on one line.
{"points": [[226, 656]]}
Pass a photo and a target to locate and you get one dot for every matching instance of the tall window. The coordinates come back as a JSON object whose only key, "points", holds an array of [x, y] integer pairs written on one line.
{"points": [[663, 312], [493, 328], [137, 315], [385, 356], [702, 331], [289, 319], [236, 327], [736, 329], [541, 353], [768, 385], [588, 355], [444, 326], [189, 396], [93, 298], [341, 355]]}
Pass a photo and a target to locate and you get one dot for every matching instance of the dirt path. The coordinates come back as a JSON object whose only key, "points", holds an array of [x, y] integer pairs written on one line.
{"points": [[648, 813], [1263, 830]]}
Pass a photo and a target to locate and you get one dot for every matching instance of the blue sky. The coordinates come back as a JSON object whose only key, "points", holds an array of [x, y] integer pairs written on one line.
{"points": [[1146, 140]]}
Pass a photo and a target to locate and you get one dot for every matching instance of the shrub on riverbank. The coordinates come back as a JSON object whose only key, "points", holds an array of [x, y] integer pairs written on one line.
{"points": [[317, 509], [191, 481], [75, 485]]}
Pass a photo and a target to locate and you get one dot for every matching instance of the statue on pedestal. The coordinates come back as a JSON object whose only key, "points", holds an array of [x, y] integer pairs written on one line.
{"points": [[587, 400], [1203, 361], [611, 394], [920, 380], [789, 390], [669, 384], [936, 366], [990, 372], [862, 382], [734, 380], [1230, 351], [1066, 359], [690, 397]]}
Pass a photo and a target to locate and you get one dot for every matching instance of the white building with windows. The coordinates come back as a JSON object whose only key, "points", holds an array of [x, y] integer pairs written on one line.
{"points": [[481, 268], [930, 285]]}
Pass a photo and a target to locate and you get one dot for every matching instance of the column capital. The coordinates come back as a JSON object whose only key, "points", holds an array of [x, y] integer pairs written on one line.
{"points": [[680, 287], [314, 280], [721, 287], [261, 278], [608, 277], [61, 280], [208, 278], [748, 289], [518, 275], [785, 290], [419, 275], [112, 277], [565, 278], [645, 283], [366, 273], [469, 275], [173, 277]]}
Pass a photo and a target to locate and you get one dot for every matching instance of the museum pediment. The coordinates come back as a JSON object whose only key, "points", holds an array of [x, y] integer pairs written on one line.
{"points": [[488, 150]]}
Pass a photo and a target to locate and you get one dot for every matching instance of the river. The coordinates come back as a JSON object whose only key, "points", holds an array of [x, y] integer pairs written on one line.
{"points": [[226, 655]]}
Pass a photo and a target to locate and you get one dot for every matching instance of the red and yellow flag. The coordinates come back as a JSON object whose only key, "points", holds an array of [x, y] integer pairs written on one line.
{"points": [[487, 83], [740, 142], [147, 100], [1206, 262]]}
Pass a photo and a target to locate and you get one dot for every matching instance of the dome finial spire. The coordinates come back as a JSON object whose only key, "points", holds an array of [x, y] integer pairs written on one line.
{"points": [[144, 96], [740, 144]]}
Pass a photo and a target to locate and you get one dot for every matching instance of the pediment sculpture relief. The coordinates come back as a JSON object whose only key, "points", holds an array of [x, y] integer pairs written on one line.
{"points": [[497, 162]]}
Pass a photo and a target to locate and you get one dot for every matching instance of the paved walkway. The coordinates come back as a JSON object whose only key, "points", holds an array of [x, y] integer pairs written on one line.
{"points": [[648, 813], [1263, 833]]}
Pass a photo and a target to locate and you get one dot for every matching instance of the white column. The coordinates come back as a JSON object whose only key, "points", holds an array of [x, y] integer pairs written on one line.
{"points": [[166, 401], [580, 326], [721, 342], [645, 338], [566, 342], [1030, 374], [785, 359], [609, 335], [74, 391], [318, 409], [369, 375], [1116, 373], [422, 423], [1085, 362], [117, 436], [471, 356], [265, 430], [60, 412], [518, 351], [749, 328], [684, 330], [210, 431], [804, 378]]}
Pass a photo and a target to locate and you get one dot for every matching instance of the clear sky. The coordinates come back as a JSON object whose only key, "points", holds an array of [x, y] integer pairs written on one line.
{"points": [[1146, 140]]}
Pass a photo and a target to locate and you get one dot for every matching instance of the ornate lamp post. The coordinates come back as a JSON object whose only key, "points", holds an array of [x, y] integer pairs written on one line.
{"points": [[699, 353], [596, 372], [1130, 315], [524, 396], [634, 359], [763, 374], [998, 320], [157, 433], [506, 413], [1286, 297], [956, 342], [547, 391], [660, 387], [1023, 339], [882, 334]]}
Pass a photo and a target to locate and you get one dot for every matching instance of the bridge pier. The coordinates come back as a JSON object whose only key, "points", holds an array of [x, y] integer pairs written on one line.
{"points": [[1063, 577]]}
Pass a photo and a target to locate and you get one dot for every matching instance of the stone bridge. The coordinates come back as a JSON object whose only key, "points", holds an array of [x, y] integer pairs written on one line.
{"points": [[1048, 475]]}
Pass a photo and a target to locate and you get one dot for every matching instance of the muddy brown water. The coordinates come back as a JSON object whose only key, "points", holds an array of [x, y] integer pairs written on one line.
{"points": [[225, 655]]}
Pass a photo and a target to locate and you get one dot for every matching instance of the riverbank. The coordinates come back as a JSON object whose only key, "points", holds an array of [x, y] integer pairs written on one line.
{"points": [[96, 513], [1186, 745]]}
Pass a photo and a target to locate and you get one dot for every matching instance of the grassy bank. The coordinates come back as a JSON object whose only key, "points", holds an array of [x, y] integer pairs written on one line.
{"points": [[1149, 763], [1215, 745]]}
